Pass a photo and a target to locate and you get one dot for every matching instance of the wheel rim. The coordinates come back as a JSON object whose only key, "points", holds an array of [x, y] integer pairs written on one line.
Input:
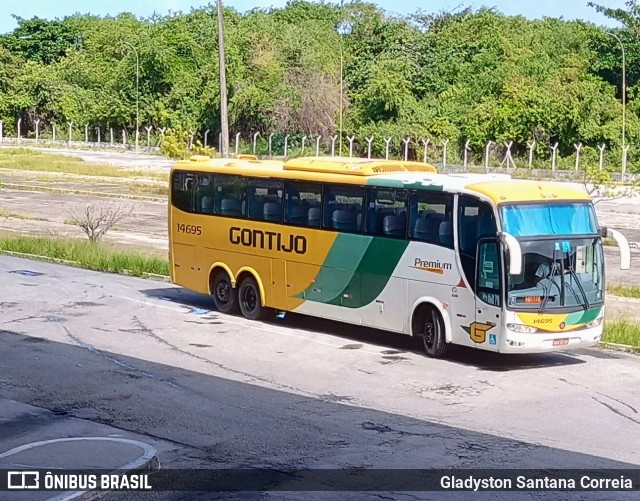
{"points": [[249, 299], [430, 331], [223, 291]]}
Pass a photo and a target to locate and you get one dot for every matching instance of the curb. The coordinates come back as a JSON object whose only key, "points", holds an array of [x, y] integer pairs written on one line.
{"points": [[634, 350], [40, 258]]}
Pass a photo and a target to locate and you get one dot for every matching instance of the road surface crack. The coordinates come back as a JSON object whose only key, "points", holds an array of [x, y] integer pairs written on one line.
{"points": [[616, 411], [145, 331], [114, 360]]}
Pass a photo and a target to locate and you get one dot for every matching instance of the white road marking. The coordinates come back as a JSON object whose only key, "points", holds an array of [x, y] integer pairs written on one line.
{"points": [[149, 453], [147, 303]]}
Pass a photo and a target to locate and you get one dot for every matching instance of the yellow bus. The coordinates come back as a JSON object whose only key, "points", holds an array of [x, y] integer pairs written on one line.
{"points": [[478, 260]]}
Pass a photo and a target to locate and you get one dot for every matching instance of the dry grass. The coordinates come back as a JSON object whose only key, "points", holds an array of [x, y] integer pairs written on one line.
{"points": [[30, 160]]}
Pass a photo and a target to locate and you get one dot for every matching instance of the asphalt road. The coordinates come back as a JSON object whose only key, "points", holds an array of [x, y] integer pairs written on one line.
{"points": [[154, 359]]}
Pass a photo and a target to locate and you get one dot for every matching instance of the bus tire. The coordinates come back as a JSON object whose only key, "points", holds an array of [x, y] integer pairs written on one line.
{"points": [[249, 300], [429, 326], [225, 296]]}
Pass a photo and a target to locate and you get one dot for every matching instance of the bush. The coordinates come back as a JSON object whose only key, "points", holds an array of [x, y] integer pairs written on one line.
{"points": [[177, 144]]}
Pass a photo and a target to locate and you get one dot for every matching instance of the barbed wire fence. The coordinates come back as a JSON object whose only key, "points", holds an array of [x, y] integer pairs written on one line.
{"points": [[447, 155]]}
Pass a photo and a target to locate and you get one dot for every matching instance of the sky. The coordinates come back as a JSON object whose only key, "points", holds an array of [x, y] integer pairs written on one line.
{"points": [[51, 9]]}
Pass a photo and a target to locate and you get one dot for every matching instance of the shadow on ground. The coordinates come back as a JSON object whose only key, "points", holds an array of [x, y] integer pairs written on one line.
{"points": [[396, 344], [219, 423]]}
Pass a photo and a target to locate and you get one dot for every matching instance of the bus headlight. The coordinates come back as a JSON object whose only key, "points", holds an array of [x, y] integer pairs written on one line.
{"points": [[595, 323], [525, 329]]}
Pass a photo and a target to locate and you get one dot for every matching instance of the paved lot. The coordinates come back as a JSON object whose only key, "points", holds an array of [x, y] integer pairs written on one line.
{"points": [[111, 157], [210, 390], [40, 213], [154, 359]]}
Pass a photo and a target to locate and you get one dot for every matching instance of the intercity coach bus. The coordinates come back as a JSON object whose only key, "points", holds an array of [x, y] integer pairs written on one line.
{"points": [[478, 260]]}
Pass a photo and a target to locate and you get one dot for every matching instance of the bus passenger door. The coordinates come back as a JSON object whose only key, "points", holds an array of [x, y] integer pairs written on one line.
{"points": [[184, 265], [303, 293], [384, 300], [341, 294], [278, 286], [485, 331]]}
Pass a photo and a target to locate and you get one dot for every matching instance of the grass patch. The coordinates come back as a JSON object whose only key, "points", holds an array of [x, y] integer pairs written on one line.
{"points": [[31, 160], [622, 332], [624, 291], [148, 189], [98, 257]]}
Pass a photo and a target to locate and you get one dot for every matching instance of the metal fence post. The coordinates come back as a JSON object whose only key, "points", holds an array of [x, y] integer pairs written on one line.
{"points": [[444, 142], [406, 141], [486, 155], [369, 141], [601, 147], [387, 140], [578, 147], [531, 146]]}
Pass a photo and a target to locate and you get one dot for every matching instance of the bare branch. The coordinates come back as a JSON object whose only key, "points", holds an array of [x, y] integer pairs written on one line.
{"points": [[96, 219], [599, 186]]}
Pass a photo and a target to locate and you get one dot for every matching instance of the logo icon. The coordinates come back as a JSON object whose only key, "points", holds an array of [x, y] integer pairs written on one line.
{"points": [[23, 480], [492, 339], [478, 331]]}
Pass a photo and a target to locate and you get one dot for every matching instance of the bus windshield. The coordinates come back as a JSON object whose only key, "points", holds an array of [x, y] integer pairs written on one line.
{"points": [[539, 219], [558, 273]]}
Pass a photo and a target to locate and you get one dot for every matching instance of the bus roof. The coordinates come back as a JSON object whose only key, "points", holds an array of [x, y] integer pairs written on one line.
{"points": [[499, 188]]}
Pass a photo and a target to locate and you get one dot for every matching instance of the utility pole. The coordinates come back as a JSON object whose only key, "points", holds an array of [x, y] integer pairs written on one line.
{"points": [[137, 91], [624, 103], [224, 120]]}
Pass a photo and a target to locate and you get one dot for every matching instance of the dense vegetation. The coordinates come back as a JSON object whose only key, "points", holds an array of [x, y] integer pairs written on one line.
{"points": [[471, 75]]}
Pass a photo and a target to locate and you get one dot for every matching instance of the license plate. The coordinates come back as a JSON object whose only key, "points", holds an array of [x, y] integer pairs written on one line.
{"points": [[561, 342]]}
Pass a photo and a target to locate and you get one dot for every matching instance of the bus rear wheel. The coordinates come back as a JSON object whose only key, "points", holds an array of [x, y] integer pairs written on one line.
{"points": [[249, 300], [225, 296], [430, 328]]}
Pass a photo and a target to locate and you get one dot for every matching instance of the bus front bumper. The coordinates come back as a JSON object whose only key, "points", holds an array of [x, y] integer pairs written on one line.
{"points": [[544, 342]]}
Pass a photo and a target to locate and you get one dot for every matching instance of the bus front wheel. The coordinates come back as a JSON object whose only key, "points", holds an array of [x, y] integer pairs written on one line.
{"points": [[249, 299], [429, 326], [225, 297]]}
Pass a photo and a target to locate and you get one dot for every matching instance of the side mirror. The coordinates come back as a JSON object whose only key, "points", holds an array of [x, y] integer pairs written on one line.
{"points": [[515, 253], [623, 245]]}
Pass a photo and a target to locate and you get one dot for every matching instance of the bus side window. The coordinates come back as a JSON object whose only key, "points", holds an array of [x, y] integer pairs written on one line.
{"points": [[475, 221], [204, 194], [488, 273], [230, 197], [265, 200], [386, 213], [342, 206], [302, 204], [431, 218], [182, 190]]}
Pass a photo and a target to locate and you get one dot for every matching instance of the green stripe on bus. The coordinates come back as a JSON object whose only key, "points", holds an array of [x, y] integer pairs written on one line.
{"points": [[372, 275], [399, 183], [583, 317], [339, 266]]}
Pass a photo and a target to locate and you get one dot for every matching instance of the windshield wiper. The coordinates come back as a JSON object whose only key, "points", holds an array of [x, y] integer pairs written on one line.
{"points": [[574, 275], [547, 292]]}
